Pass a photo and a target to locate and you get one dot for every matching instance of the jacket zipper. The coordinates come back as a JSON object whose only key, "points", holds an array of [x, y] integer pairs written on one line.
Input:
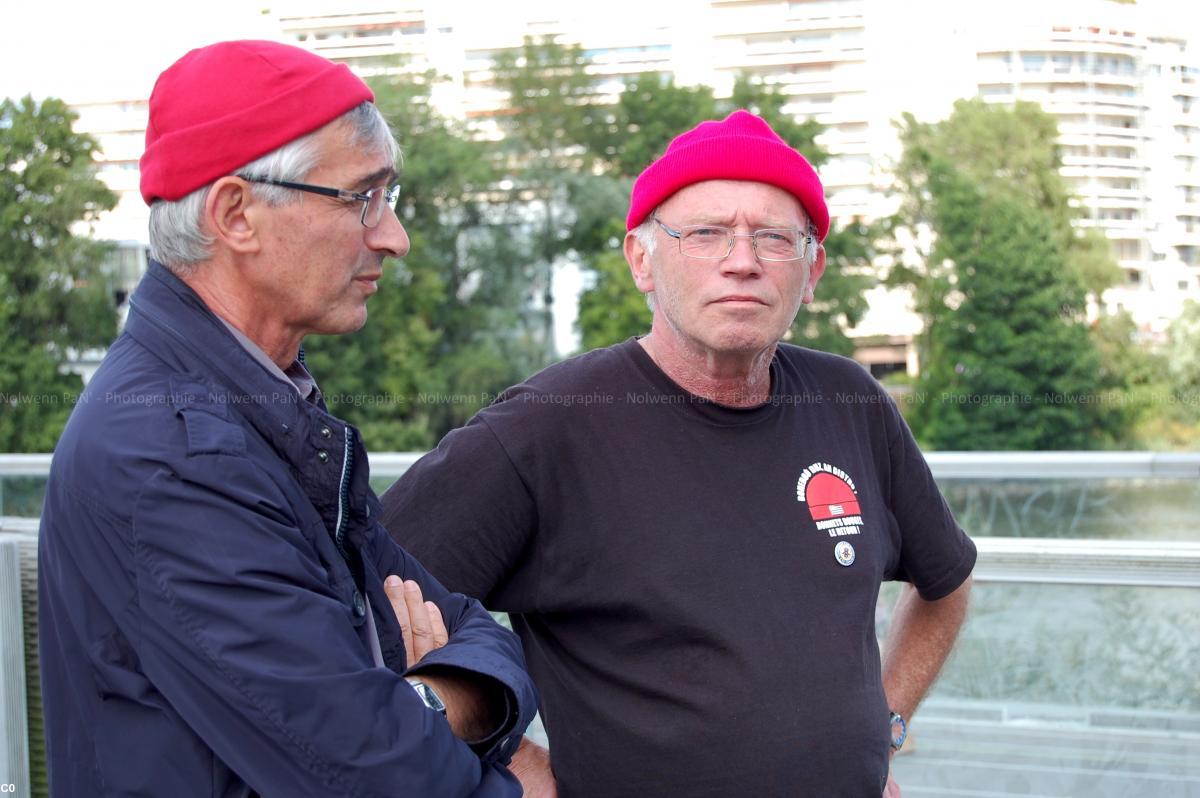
{"points": [[339, 534]]}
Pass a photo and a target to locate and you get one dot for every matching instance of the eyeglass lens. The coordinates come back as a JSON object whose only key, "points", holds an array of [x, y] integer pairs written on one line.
{"points": [[380, 199], [704, 241]]}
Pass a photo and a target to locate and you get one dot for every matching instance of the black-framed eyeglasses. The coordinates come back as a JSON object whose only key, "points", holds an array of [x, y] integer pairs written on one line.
{"points": [[374, 201], [715, 242]]}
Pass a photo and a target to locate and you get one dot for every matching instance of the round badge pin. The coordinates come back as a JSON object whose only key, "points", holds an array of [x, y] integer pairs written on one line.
{"points": [[844, 553]]}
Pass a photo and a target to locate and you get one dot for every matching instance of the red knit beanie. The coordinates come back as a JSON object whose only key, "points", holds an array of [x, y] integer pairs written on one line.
{"points": [[220, 107], [740, 147]]}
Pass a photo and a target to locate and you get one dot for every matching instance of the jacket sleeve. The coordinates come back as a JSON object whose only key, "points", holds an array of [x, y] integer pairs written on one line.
{"points": [[477, 644], [238, 624]]}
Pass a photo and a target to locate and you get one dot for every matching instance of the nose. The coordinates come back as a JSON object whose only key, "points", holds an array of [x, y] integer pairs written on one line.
{"points": [[389, 236], [742, 259]]}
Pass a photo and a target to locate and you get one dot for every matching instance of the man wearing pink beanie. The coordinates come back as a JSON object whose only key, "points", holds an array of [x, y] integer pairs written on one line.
{"points": [[221, 612], [689, 529]]}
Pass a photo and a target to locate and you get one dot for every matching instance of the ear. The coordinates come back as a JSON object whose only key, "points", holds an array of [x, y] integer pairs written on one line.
{"points": [[231, 213], [639, 263], [814, 275]]}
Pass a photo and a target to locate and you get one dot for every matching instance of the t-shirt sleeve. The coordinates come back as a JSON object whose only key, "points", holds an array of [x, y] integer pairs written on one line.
{"points": [[465, 513], [936, 555]]}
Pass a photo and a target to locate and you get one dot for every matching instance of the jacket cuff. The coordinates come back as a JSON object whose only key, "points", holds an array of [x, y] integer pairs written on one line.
{"points": [[520, 704]]}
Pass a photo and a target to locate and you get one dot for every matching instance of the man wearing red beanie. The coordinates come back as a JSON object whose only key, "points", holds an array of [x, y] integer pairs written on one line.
{"points": [[690, 529], [221, 612]]}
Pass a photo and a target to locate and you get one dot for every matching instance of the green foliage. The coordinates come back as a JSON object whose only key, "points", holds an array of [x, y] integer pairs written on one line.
{"points": [[551, 99], [839, 303], [650, 112], [612, 309], [1006, 358], [1011, 365], [446, 330], [550, 95], [53, 292], [1184, 351]]}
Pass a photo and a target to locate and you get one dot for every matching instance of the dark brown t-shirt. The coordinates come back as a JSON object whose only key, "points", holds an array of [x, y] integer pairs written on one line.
{"points": [[695, 585]]}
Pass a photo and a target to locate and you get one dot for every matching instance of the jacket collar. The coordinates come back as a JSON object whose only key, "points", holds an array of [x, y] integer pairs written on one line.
{"points": [[168, 318]]}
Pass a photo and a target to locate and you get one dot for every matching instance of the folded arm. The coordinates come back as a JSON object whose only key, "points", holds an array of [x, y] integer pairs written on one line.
{"points": [[245, 625]]}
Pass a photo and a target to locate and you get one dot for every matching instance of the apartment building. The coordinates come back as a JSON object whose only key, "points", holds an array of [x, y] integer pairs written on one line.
{"points": [[1124, 86], [1126, 96]]}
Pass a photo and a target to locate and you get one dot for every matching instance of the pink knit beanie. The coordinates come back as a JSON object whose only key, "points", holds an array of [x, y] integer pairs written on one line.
{"points": [[220, 107], [740, 147]]}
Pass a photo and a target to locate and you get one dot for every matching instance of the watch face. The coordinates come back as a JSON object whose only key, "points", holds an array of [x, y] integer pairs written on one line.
{"points": [[428, 696]]}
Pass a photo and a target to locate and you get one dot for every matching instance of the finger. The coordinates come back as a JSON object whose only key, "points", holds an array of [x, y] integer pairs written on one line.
{"points": [[394, 587], [440, 636], [422, 628]]}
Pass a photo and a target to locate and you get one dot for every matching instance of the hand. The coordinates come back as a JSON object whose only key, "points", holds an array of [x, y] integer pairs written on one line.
{"points": [[421, 623], [531, 765], [474, 709], [891, 789]]}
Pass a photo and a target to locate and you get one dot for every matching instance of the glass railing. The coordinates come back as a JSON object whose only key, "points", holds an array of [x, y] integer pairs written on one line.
{"points": [[1076, 673]]}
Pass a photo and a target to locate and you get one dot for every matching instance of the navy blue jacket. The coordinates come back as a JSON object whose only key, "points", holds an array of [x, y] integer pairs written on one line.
{"points": [[206, 545]]}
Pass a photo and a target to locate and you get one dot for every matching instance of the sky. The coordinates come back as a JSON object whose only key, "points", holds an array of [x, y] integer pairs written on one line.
{"points": [[81, 51]]}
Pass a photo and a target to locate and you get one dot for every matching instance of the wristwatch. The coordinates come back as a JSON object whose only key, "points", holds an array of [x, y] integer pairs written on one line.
{"points": [[427, 695], [899, 730]]}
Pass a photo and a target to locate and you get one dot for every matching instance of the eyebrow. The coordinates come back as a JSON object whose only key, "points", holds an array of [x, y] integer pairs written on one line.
{"points": [[726, 221], [382, 175]]}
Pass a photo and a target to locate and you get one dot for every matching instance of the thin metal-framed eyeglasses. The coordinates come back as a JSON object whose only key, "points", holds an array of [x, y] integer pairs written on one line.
{"points": [[715, 242], [374, 201]]}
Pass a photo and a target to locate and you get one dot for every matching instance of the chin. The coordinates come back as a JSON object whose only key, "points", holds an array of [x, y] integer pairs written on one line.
{"points": [[344, 325], [741, 340]]}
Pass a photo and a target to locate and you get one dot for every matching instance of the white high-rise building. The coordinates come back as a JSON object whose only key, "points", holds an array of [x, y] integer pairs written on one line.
{"points": [[1123, 84], [1126, 94]]}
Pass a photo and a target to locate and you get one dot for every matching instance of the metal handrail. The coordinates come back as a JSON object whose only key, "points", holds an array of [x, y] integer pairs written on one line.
{"points": [[1141, 563], [948, 465], [1066, 561]]}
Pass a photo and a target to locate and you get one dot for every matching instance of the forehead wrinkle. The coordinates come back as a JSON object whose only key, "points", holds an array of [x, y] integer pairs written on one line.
{"points": [[723, 202], [382, 175]]}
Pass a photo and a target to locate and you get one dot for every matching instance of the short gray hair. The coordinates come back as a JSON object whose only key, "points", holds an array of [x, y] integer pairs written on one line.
{"points": [[177, 239], [647, 235]]}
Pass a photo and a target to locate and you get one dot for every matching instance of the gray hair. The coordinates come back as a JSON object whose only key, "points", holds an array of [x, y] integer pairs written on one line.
{"points": [[177, 239], [647, 235]]}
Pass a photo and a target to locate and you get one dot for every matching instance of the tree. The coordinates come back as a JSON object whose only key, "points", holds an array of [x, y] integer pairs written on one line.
{"points": [[552, 103], [447, 330], [1184, 354], [650, 111], [1010, 363], [1013, 149], [54, 296]]}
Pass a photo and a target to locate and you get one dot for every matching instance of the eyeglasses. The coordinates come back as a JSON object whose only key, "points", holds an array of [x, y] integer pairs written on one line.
{"points": [[374, 201], [715, 242]]}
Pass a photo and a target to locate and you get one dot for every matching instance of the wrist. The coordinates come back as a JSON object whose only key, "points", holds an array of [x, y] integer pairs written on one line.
{"points": [[471, 711]]}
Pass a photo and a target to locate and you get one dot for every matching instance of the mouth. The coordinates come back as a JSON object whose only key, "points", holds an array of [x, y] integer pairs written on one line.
{"points": [[369, 281], [738, 299]]}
